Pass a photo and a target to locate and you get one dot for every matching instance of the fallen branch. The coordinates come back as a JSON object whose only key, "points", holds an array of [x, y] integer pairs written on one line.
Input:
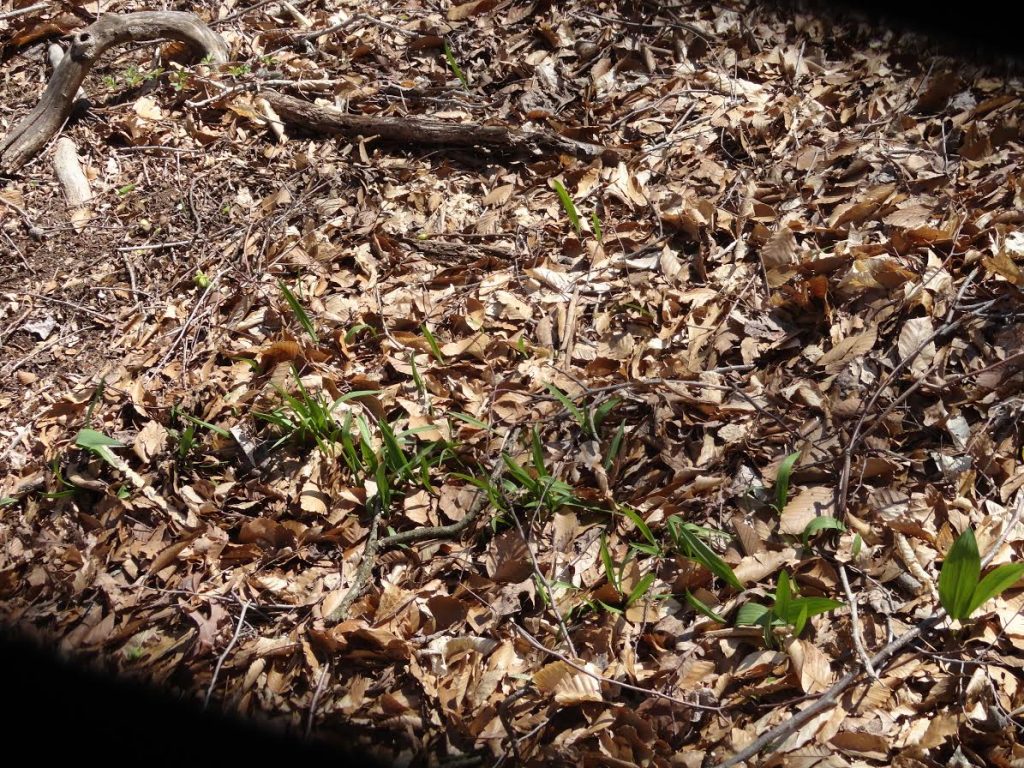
{"points": [[23, 11], [87, 45], [411, 129]]}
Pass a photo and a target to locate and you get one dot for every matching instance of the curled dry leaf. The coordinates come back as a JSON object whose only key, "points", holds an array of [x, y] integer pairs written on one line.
{"points": [[568, 685]]}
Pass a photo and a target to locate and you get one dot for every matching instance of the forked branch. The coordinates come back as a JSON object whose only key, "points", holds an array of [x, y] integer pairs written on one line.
{"points": [[42, 123]]}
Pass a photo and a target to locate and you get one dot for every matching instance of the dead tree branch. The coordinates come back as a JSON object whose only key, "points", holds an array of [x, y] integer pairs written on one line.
{"points": [[424, 130], [87, 45]]}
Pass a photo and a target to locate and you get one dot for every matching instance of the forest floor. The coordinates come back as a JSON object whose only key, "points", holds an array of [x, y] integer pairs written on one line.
{"points": [[479, 457]]}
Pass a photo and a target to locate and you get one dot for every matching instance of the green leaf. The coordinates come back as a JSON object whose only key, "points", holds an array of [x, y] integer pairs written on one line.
{"points": [[595, 222], [701, 607], [454, 65], [435, 348], [811, 605], [783, 595], [640, 589], [800, 620], [99, 444], [1000, 579], [697, 550], [640, 523], [299, 312], [958, 578], [820, 524], [567, 204], [570, 406], [469, 420], [752, 614], [782, 480], [609, 566], [602, 411]]}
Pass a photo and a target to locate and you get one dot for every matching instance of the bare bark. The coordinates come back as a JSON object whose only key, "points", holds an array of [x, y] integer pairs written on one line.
{"points": [[87, 45], [70, 174], [424, 130]]}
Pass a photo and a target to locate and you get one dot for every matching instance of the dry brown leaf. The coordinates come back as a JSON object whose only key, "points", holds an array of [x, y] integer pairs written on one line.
{"points": [[568, 685]]}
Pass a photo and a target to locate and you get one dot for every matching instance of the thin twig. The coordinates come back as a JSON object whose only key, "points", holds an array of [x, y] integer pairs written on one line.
{"points": [[224, 655], [23, 11], [858, 639], [362, 576], [506, 720], [781, 732], [321, 683]]}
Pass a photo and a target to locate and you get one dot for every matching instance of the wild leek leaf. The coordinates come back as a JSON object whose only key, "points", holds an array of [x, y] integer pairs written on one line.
{"points": [[960, 575], [567, 204], [961, 590], [782, 480]]}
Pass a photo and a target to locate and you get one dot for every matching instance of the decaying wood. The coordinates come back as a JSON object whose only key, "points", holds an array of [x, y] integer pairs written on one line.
{"points": [[424, 130], [87, 45], [72, 180]]}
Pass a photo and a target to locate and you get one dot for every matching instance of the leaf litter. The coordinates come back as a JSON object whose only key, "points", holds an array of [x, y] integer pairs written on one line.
{"points": [[586, 374]]}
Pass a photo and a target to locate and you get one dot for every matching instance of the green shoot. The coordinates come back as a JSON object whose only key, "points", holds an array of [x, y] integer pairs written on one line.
{"points": [[787, 610], [299, 311], [434, 347], [568, 205], [686, 539], [454, 65], [822, 523], [100, 445], [961, 589], [782, 480]]}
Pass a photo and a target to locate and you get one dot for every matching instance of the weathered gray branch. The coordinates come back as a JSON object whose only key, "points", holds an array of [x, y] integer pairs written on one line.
{"points": [[87, 45]]}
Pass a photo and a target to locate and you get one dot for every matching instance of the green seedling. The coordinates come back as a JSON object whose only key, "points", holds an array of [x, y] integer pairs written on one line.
{"points": [[787, 610], [961, 589], [688, 540], [99, 445], [201, 279], [615, 575], [308, 417], [357, 329], [237, 70], [186, 436], [568, 205], [589, 419], [127, 188], [179, 79], [782, 480], [616, 445], [818, 524], [299, 311], [454, 65], [703, 608], [595, 223], [434, 346]]}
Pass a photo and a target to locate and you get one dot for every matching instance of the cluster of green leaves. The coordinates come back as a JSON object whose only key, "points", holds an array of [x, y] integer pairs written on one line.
{"points": [[787, 609], [589, 417], [392, 464], [962, 591], [304, 418]]}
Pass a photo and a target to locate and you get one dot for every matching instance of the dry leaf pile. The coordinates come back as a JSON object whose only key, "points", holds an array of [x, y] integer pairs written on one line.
{"points": [[805, 237]]}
